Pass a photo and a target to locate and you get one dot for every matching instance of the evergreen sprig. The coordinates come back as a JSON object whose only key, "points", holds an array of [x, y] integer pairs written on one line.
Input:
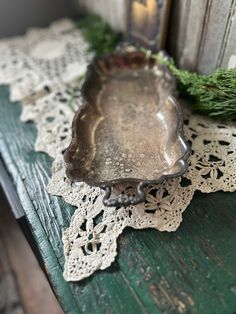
{"points": [[101, 38], [213, 95]]}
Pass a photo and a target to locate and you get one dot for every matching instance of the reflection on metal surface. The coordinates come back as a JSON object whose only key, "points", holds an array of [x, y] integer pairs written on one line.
{"points": [[147, 21], [129, 128]]}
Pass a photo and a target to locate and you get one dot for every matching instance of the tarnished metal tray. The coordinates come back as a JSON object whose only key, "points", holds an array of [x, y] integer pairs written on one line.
{"points": [[129, 128]]}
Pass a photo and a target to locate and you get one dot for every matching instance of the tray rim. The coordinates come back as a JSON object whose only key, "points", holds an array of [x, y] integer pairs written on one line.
{"points": [[74, 138]]}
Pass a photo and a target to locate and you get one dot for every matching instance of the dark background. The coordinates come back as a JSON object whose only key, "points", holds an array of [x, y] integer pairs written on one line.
{"points": [[16, 16]]}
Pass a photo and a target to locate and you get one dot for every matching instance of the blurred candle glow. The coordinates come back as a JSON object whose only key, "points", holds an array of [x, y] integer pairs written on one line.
{"points": [[147, 20]]}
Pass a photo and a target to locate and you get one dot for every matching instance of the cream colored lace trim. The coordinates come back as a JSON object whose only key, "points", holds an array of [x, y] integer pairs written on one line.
{"points": [[40, 68]]}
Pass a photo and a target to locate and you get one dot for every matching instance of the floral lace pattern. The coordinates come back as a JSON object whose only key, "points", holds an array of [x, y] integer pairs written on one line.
{"points": [[41, 60], [41, 68]]}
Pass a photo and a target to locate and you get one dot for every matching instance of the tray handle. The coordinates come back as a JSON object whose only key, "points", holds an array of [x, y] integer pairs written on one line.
{"points": [[123, 199]]}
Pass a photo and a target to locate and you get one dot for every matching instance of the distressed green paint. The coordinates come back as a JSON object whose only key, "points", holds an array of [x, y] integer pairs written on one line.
{"points": [[190, 271]]}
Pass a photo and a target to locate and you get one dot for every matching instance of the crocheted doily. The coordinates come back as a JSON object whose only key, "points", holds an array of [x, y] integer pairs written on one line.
{"points": [[41, 69]]}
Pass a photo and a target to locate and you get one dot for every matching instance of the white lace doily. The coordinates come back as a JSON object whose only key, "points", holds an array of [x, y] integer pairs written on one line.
{"points": [[41, 69]]}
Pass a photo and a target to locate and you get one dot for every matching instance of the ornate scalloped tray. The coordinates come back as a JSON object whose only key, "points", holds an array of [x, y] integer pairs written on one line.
{"points": [[129, 128]]}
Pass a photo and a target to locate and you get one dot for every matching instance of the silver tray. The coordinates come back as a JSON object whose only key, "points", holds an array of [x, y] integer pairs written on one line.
{"points": [[129, 128]]}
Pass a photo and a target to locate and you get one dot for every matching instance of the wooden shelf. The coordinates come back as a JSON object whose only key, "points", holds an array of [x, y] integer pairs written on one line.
{"points": [[189, 271]]}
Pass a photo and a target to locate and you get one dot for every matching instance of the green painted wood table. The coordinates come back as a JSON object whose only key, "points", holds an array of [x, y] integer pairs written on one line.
{"points": [[192, 270]]}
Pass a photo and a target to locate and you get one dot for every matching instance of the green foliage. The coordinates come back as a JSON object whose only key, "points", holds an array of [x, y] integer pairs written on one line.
{"points": [[101, 38], [213, 95]]}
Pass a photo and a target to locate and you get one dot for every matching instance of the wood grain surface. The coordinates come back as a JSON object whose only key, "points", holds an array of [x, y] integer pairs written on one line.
{"points": [[202, 34], [34, 292], [189, 271], [10, 301]]}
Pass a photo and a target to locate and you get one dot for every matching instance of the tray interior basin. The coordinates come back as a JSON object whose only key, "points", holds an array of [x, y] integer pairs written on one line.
{"points": [[130, 129]]}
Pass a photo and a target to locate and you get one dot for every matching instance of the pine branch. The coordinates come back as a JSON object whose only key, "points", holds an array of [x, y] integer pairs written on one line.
{"points": [[101, 38], [213, 95]]}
